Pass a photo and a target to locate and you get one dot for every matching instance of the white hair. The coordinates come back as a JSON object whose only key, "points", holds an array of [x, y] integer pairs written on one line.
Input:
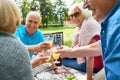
{"points": [[35, 13], [85, 12]]}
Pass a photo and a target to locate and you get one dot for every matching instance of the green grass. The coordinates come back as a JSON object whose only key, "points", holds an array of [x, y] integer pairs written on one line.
{"points": [[68, 33]]}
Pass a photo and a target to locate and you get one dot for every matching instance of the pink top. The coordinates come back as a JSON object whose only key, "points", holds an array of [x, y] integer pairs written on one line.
{"points": [[82, 37]]}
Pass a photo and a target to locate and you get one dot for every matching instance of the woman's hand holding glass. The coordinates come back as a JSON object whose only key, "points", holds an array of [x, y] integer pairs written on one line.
{"points": [[54, 55], [38, 60], [53, 49], [47, 54], [64, 51]]}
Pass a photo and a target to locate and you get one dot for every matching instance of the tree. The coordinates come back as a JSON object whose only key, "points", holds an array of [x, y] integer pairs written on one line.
{"points": [[47, 12], [78, 0], [28, 6], [50, 13], [61, 11]]}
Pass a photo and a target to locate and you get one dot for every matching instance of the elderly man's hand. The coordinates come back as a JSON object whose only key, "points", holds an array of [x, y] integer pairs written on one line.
{"points": [[42, 46]]}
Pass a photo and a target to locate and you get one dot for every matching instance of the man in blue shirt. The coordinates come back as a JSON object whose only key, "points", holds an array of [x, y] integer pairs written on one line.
{"points": [[29, 33], [107, 12], [110, 33]]}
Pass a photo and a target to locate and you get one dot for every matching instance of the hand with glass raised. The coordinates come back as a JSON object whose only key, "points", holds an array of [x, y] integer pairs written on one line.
{"points": [[38, 60], [64, 51], [38, 47]]}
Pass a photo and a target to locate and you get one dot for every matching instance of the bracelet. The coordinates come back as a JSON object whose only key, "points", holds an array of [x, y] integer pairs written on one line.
{"points": [[55, 69]]}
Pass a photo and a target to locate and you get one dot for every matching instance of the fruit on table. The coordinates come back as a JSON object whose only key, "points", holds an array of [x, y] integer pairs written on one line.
{"points": [[70, 77]]}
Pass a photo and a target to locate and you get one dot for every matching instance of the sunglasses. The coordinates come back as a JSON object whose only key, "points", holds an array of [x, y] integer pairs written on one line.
{"points": [[76, 14]]}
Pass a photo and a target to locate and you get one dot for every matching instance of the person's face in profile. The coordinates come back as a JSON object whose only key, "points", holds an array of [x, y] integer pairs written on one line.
{"points": [[32, 23], [99, 8]]}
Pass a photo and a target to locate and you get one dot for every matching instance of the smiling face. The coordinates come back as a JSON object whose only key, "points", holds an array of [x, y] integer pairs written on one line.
{"points": [[32, 22], [99, 8], [76, 17]]}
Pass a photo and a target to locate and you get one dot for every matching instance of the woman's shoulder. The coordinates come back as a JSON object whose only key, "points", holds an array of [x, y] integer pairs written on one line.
{"points": [[12, 46], [90, 20], [12, 43], [91, 23]]}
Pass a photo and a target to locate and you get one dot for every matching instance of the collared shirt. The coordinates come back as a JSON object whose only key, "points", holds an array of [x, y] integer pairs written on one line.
{"points": [[22, 34], [110, 42]]}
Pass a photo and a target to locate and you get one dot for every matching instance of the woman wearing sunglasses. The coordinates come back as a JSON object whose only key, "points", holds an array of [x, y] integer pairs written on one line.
{"points": [[87, 32]]}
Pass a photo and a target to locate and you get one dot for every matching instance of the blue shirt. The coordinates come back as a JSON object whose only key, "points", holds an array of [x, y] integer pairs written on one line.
{"points": [[27, 39], [110, 42]]}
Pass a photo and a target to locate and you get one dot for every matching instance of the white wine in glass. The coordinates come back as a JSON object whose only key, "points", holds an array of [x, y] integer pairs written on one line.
{"points": [[51, 43], [56, 56], [49, 40]]}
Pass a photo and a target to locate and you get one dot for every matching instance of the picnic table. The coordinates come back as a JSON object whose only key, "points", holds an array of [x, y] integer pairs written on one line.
{"points": [[45, 72]]}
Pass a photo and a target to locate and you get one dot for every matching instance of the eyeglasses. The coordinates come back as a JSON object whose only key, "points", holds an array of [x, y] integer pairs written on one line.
{"points": [[76, 14]]}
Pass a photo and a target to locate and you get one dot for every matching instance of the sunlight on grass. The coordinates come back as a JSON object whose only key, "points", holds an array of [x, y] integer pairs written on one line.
{"points": [[68, 33]]}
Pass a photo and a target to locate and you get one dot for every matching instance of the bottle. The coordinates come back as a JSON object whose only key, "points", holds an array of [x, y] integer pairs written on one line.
{"points": [[59, 64]]}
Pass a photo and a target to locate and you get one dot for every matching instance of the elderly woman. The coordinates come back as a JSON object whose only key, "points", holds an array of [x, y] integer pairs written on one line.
{"points": [[87, 32], [14, 59]]}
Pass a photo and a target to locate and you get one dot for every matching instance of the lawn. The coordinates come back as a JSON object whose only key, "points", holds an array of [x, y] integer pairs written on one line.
{"points": [[68, 33]]}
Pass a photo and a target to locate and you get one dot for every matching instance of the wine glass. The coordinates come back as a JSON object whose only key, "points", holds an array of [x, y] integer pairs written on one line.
{"points": [[55, 55], [47, 54], [49, 40]]}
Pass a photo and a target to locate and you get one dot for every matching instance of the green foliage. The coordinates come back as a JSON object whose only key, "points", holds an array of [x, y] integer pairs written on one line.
{"points": [[68, 33], [28, 6], [47, 11], [51, 13], [79, 0], [61, 11], [25, 8]]}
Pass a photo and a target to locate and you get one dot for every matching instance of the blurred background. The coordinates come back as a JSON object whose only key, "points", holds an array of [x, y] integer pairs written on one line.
{"points": [[54, 16]]}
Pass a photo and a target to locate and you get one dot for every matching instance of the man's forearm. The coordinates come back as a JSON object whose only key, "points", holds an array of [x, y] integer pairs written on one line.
{"points": [[31, 48]]}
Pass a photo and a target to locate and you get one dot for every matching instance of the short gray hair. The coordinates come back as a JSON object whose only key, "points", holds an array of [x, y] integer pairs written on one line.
{"points": [[9, 14], [85, 12], [34, 13]]}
